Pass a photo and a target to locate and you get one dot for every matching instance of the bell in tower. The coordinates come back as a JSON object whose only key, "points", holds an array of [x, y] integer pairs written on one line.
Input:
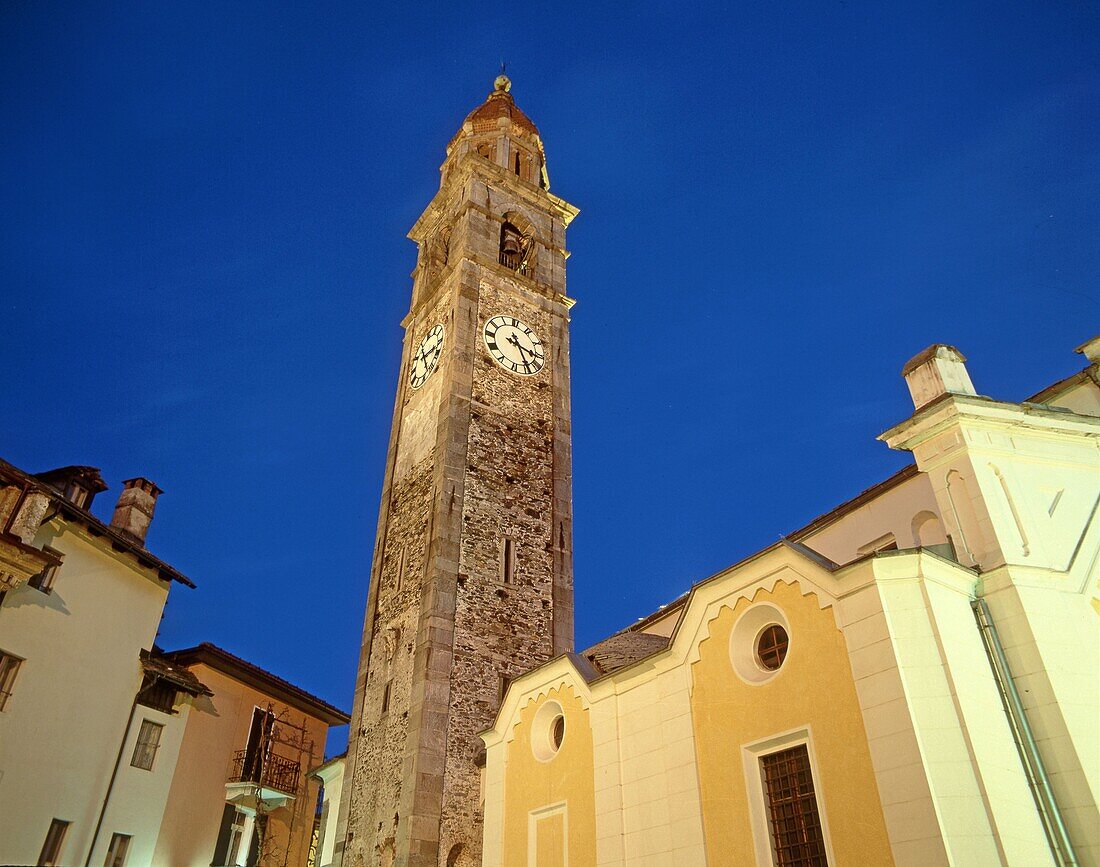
{"points": [[472, 577]]}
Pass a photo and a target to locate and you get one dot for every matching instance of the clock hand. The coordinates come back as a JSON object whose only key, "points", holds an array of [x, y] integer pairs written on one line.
{"points": [[515, 342]]}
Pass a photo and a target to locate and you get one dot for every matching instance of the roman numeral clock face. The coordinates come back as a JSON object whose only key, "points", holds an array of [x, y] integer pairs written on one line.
{"points": [[514, 346], [426, 357]]}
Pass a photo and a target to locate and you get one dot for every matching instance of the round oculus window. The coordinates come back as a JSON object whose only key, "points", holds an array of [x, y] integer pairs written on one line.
{"points": [[759, 643], [557, 734], [547, 731], [771, 647]]}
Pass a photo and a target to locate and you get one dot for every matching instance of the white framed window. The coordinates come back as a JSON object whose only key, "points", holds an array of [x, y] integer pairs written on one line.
{"points": [[240, 838], [786, 807], [9, 668], [148, 742], [116, 852]]}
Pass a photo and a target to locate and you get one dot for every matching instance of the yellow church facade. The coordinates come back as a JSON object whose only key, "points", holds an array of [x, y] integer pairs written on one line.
{"points": [[910, 679]]}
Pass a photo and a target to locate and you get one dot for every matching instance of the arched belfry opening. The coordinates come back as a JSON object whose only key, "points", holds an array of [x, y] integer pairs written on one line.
{"points": [[516, 244]]}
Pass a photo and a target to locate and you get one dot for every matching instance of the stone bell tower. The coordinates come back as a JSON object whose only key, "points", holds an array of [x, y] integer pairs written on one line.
{"points": [[472, 580]]}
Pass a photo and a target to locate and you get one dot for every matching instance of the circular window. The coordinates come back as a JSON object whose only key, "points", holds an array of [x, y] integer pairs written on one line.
{"points": [[759, 643], [547, 731], [771, 647]]}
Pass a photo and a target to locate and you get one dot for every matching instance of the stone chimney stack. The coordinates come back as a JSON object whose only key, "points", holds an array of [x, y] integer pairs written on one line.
{"points": [[938, 370], [134, 511]]}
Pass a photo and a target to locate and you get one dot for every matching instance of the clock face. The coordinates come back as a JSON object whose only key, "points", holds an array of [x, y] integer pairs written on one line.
{"points": [[426, 357], [514, 345]]}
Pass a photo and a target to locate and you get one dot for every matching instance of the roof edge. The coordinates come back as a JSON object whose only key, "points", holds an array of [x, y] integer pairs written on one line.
{"points": [[258, 678]]}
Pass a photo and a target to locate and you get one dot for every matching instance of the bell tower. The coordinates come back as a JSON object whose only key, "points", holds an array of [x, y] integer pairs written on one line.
{"points": [[472, 578]]}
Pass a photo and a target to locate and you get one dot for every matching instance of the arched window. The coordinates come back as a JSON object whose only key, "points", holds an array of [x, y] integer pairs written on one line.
{"points": [[518, 166]]}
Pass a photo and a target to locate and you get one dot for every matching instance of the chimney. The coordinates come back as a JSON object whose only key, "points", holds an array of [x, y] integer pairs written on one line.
{"points": [[134, 511], [937, 371], [1091, 350]]}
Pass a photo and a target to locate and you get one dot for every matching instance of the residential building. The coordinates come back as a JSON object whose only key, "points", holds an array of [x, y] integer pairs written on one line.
{"points": [[241, 792], [99, 729], [83, 688]]}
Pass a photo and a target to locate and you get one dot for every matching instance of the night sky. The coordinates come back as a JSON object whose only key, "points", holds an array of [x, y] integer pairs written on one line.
{"points": [[203, 265]]}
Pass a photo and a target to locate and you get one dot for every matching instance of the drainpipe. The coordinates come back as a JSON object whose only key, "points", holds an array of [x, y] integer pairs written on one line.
{"points": [[114, 774], [1051, 816]]}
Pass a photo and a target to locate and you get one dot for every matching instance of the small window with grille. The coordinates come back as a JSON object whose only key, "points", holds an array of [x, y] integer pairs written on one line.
{"points": [[148, 742], [793, 817]]}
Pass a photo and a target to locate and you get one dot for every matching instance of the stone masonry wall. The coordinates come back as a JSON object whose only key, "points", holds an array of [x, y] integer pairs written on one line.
{"points": [[501, 630]]}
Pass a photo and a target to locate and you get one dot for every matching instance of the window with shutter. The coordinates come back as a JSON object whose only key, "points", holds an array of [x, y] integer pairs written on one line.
{"points": [[148, 742]]}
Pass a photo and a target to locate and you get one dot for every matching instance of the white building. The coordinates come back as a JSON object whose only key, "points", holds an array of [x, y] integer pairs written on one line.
{"points": [[94, 718], [82, 684]]}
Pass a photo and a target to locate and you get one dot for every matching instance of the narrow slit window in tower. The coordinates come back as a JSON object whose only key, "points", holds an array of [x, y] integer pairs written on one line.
{"points": [[399, 577], [507, 561]]}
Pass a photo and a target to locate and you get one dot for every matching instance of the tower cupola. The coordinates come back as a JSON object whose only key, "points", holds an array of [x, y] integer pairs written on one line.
{"points": [[500, 132]]}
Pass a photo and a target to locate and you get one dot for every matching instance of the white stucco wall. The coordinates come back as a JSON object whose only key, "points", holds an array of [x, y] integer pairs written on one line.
{"points": [[139, 796], [333, 779], [890, 512], [60, 732]]}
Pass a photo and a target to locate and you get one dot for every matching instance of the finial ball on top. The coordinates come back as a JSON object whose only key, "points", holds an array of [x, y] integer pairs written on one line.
{"points": [[502, 83]]}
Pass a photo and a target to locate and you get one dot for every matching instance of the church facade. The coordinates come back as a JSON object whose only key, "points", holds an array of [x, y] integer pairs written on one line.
{"points": [[909, 679]]}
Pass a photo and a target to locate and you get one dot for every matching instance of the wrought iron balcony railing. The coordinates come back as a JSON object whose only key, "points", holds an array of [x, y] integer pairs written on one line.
{"points": [[270, 771]]}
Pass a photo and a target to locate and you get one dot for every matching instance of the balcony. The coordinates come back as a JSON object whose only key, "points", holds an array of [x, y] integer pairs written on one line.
{"points": [[256, 780]]}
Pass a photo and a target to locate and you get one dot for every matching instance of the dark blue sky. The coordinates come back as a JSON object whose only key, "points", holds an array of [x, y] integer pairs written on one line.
{"points": [[203, 264]]}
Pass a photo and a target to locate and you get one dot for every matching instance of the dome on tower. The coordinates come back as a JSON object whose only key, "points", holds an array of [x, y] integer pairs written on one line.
{"points": [[499, 104]]}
